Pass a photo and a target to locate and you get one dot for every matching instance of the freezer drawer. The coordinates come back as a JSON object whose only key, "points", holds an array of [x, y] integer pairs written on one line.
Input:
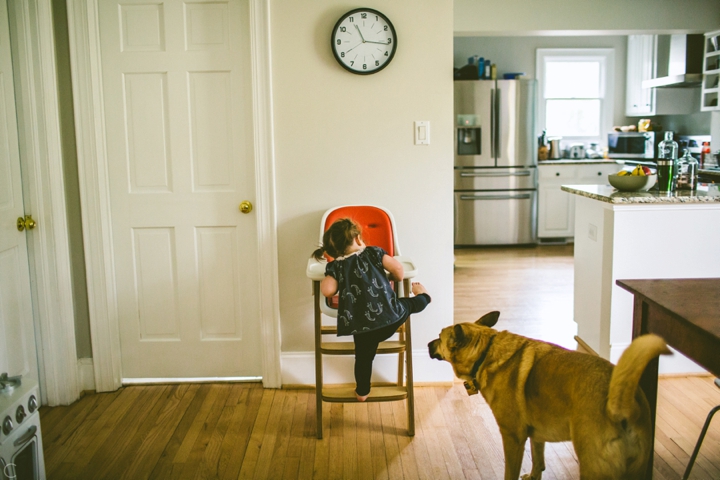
{"points": [[495, 178], [495, 218]]}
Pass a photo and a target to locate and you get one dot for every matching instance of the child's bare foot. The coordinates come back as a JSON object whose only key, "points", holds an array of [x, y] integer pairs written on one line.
{"points": [[418, 288], [361, 398]]}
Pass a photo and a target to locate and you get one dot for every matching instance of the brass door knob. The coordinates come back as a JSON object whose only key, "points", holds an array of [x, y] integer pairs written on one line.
{"points": [[246, 207], [27, 222]]}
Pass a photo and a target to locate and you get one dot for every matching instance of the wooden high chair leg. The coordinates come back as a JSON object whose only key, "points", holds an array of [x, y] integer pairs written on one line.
{"points": [[318, 360], [409, 383]]}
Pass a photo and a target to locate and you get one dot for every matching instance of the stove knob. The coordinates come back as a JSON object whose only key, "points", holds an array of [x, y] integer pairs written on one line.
{"points": [[20, 414], [7, 425], [32, 404]]}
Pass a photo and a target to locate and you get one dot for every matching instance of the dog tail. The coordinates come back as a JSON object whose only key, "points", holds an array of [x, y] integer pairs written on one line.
{"points": [[626, 375]]}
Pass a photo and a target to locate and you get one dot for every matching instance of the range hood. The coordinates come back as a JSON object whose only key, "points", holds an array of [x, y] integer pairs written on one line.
{"points": [[679, 62]]}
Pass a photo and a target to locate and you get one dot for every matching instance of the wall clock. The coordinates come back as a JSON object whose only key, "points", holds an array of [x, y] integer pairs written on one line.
{"points": [[363, 41]]}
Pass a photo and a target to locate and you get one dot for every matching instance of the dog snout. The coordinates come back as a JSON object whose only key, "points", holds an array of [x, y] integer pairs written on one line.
{"points": [[433, 349]]}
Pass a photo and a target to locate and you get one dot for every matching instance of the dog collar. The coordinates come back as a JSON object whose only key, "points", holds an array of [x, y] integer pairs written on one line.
{"points": [[476, 366]]}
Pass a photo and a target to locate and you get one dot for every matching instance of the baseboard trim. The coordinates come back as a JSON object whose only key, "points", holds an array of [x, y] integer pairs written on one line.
{"points": [[85, 375]]}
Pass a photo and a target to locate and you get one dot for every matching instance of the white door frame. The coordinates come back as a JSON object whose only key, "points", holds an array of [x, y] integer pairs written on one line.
{"points": [[86, 70], [44, 198]]}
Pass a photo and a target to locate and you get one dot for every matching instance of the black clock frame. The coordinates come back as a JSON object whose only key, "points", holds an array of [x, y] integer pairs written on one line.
{"points": [[337, 25]]}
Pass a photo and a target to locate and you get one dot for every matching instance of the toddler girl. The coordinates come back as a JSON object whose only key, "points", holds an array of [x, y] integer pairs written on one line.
{"points": [[368, 308]]}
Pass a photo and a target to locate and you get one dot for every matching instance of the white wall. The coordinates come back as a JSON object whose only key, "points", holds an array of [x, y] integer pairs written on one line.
{"points": [[342, 138], [584, 17]]}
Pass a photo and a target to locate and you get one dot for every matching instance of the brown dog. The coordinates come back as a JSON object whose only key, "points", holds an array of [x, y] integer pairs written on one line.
{"points": [[550, 394]]}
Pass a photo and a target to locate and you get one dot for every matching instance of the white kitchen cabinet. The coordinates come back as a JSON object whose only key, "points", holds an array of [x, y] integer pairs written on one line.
{"points": [[641, 55], [556, 209]]}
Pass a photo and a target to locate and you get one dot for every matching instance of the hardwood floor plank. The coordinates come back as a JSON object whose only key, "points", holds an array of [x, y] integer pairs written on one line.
{"points": [[108, 459], [349, 442], [252, 452], [165, 465], [307, 458], [377, 442], [237, 438], [274, 444], [195, 467]]}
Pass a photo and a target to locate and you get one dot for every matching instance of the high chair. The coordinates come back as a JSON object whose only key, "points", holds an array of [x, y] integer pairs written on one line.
{"points": [[378, 229]]}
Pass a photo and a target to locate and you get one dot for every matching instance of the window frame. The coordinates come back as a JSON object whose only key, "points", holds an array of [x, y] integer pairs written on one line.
{"points": [[606, 58]]}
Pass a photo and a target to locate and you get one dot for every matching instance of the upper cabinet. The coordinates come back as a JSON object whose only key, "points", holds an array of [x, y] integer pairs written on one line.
{"points": [[711, 72], [641, 55], [649, 57]]}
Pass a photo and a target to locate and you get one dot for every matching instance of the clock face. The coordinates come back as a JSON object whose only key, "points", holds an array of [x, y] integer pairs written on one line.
{"points": [[364, 41]]}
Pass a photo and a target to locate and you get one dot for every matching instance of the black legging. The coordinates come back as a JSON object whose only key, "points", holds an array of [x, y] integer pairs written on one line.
{"points": [[366, 344]]}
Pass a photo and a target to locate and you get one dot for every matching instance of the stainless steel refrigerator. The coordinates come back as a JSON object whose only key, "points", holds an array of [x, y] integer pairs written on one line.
{"points": [[495, 162]]}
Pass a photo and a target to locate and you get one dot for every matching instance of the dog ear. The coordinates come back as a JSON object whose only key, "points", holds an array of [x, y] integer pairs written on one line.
{"points": [[459, 338], [489, 319]]}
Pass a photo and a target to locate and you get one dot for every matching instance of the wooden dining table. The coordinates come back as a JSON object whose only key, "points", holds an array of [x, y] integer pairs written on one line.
{"points": [[684, 312]]}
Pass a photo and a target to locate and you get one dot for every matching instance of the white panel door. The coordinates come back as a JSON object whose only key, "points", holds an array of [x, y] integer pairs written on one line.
{"points": [[176, 77], [17, 340]]}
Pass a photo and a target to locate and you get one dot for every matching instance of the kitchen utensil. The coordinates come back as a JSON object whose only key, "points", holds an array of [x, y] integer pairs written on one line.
{"points": [[555, 151], [632, 183]]}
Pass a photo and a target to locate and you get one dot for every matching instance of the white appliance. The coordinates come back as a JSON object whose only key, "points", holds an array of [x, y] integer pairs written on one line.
{"points": [[21, 449], [495, 162]]}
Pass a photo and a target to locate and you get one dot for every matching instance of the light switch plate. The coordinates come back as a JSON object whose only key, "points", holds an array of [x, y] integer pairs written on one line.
{"points": [[422, 132]]}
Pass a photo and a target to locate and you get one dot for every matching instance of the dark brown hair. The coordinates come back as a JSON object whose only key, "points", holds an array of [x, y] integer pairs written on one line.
{"points": [[337, 238]]}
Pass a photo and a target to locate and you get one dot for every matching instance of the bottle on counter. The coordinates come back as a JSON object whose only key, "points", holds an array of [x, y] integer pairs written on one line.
{"points": [[704, 153], [667, 163], [687, 172], [486, 74]]}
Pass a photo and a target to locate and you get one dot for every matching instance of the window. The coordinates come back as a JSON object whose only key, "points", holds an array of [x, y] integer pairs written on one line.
{"points": [[575, 93]]}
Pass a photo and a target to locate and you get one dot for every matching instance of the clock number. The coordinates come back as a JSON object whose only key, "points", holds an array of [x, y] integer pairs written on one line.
{"points": [[342, 54], [386, 53], [377, 63], [389, 41], [351, 19], [343, 29], [364, 66], [352, 62], [385, 28], [339, 42], [363, 15]]}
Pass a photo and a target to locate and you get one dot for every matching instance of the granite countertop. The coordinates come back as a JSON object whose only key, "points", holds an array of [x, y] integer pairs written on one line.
{"points": [[608, 194]]}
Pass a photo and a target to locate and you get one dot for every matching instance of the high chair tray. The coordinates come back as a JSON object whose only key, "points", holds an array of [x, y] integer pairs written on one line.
{"points": [[316, 269]]}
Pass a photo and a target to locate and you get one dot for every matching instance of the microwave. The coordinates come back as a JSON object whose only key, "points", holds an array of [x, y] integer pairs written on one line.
{"points": [[633, 144]]}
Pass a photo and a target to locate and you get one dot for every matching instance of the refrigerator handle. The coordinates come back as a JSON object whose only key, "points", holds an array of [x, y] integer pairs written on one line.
{"points": [[498, 136], [492, 124]]}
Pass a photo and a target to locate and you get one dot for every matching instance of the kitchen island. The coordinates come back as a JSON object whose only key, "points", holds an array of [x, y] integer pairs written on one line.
{"points": [[637, 235]]}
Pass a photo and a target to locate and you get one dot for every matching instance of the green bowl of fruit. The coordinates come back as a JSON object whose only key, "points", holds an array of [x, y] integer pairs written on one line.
{"points": [[640, 179]]}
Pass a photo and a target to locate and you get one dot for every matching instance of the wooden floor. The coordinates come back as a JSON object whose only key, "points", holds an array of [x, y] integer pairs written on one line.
{"points": [[244, 431]]}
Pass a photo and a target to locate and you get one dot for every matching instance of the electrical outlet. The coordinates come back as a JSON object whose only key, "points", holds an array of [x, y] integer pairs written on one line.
{"points": [[592, 232]]}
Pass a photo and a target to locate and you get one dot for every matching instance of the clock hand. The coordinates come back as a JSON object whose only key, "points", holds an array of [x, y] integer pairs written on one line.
{"points": [[361, 35], [346, 51], [379, 43]]}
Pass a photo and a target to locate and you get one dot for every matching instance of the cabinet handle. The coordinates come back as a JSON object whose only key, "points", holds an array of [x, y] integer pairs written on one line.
{"points": [[599, 174], [557, 174]]}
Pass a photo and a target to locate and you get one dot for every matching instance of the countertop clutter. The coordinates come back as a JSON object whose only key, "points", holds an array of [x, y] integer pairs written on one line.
{"points": [[606, 193]]}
